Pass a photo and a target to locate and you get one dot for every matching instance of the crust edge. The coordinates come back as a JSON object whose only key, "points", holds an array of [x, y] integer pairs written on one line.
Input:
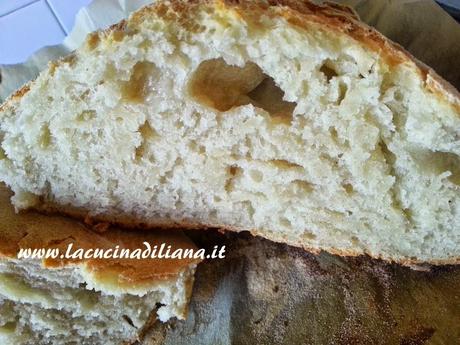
{"points": [[162, 224]]}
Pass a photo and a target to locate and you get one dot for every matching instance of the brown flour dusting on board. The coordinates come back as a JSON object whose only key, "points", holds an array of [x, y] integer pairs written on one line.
{"points": [[268, 293]]}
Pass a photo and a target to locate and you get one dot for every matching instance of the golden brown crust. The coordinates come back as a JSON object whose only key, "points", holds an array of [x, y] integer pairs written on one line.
{"points": [[342, 21], [17, 95], [343, 8], [33, 230]]}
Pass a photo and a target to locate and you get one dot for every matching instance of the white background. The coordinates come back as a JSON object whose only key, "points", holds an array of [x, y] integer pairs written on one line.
{"points": [[27, 25]]}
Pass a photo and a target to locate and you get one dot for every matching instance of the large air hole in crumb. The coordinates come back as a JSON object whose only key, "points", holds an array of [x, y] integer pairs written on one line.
{"points": [[283, 164], [285, 222], [308, 235], [268, 96], [348, 187], [135, 90], [302, 187], [343, 88], [328, 70], [2, 153], [333, 133], [389, 156], [232, 172], [146, 131], [44, 139], [223, 87], [438, 163], [147, 134]]}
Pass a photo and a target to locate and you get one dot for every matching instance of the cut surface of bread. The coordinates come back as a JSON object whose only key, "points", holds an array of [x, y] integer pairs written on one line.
{"points": [[291, 120], [88, 301]]}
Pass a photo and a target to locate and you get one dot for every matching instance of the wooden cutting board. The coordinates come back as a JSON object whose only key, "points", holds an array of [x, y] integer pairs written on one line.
{"points": [[267, 293]]}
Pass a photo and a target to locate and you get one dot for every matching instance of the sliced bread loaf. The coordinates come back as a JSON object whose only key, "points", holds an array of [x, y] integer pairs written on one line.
{"points": [[288, 119], [87, 301]]}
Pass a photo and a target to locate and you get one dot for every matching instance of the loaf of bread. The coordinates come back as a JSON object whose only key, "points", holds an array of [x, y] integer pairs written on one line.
{"points": [[291, 120], [92, 301]]}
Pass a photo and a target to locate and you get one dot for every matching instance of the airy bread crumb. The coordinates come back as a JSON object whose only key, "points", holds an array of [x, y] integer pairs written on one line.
{"points": [[288, 119]]}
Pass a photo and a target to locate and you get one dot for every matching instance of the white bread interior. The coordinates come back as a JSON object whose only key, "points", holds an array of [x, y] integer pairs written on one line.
{"points": [[60, 306], [290, 120], [90, 301]]}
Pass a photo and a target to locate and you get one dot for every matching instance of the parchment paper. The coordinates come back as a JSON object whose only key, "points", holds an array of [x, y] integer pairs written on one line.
{"points": [[267, 293]]}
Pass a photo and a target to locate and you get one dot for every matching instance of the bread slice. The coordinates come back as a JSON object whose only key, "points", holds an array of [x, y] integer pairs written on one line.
{"points": [[92, 301], [291, 120]]}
